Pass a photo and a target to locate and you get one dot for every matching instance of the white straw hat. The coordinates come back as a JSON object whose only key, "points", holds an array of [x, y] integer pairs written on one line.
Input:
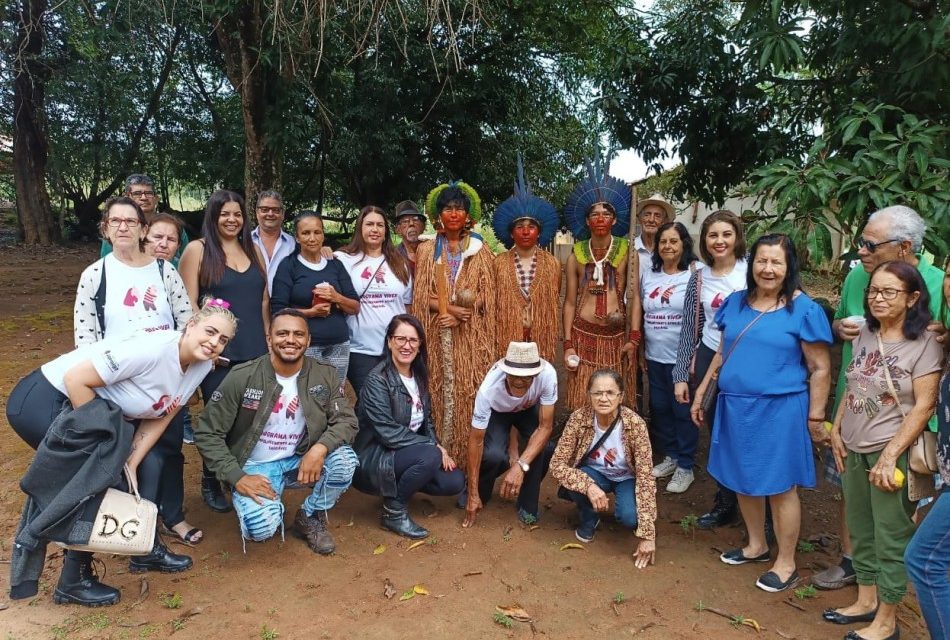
{"points": [[522, 360], [660, 201]]}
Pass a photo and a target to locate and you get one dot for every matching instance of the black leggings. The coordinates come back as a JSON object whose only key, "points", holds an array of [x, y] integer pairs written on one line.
{"points": [[33, 405], [360, 366], [418, 467]]}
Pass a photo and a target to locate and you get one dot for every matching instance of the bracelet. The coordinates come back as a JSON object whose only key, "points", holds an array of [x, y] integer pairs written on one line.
{"points": [[636, 336], [568, 344], [816, 419]]}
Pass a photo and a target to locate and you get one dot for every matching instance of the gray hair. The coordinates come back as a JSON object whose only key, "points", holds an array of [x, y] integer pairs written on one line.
{"points": [[138, 178], [906, 224], [270, 193]]}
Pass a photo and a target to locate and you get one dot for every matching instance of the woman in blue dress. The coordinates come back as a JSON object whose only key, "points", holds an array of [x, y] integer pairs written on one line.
{"points": [[773, 387]]}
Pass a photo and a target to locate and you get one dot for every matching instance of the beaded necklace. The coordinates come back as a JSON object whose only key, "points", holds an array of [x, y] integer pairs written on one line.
{"points": [[525, 279]]}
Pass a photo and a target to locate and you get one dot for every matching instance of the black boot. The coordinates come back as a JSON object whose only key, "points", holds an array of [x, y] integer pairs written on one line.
{"points": [[160, 559], [396, 519], [212, 494], [79, 584], [725, 511]]}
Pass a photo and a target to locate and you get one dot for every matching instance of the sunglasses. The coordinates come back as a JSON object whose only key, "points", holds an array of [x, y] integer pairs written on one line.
{"points": [[872, 246]]}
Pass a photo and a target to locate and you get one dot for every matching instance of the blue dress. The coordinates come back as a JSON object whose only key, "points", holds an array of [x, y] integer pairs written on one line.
{"points": [[760, 442]]}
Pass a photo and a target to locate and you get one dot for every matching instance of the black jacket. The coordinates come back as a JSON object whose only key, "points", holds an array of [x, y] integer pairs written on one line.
{"points": [[384, 409], [81, 456]]}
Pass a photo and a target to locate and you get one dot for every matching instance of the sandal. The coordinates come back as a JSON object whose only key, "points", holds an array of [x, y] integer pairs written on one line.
{"points": [[193, 536]]}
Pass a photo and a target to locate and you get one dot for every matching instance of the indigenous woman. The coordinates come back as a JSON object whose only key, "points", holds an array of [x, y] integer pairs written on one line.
{"points": [[380, 278], [147, 377], [773, 387], [397, 446], [662, 291], [890, 392], [321, 290], [605, 449], [129, 291], [460, 266], [722, 247], [527, 278], [224, 264], [595, 316]]}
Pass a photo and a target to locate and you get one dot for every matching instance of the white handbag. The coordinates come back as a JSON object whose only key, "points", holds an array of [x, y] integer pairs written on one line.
{"points": [[125, 523]]}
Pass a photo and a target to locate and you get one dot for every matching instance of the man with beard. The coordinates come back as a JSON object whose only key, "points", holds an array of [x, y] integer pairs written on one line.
{"points": [[409, 225], [280, 421]]}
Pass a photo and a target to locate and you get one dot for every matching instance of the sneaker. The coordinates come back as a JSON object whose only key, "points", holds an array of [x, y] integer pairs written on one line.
{"points": [[665, 468], [585, 533], [682, 479], [735, 556], [769, 581]]}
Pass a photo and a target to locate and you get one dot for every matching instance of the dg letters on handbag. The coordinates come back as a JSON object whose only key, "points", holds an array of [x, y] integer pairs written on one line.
{"points": [[125, 523]]}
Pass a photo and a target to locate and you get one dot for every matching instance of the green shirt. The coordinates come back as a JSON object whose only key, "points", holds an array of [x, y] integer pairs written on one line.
{"points": [[852, 304], [106, 248]]}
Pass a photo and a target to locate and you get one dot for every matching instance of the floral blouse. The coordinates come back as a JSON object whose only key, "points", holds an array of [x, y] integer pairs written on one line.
{"points": [[578, 438]]}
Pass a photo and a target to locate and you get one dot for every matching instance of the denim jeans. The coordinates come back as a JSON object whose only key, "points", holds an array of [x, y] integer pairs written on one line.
{"points": [[927, 559], [625, 499], [261, 521], [672, 427]]}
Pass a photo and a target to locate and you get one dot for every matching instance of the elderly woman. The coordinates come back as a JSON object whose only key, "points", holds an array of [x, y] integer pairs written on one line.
{"points": [[890, 393], [164, 237], [928, 554], [147, 377], [399, 452], [774, 336], [662, 292], [321, 290], [604, 449]]}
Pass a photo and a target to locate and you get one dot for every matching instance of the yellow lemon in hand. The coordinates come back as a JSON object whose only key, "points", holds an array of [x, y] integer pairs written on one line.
{"points": [[898, 478], [828, 426]]}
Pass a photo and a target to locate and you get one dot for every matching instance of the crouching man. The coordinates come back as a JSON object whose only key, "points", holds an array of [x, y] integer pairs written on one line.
{"points": [[281, 421]]}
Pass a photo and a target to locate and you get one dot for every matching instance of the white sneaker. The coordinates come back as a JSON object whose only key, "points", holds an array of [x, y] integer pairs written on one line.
{"points": [[680, 481], [665, 468]]}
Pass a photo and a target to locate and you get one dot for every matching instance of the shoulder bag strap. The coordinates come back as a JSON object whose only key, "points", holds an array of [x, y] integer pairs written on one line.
{"points": [[699, 306], [372, 277], [887, 374], [739, 337], [600, 441]]}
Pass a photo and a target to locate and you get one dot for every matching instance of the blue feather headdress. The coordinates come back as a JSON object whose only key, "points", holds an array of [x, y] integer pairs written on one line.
{"points": [[598, 187], [524, 205]]}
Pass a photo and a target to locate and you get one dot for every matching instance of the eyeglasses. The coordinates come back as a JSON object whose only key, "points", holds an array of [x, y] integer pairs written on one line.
{"points": [[610, 395], [131, 223], [872, 246], [402, 341], [270, 209], [887, 293], [142, 194]]}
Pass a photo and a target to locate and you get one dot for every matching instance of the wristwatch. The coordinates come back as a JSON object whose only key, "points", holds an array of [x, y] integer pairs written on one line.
{"points": [[524, 465]]}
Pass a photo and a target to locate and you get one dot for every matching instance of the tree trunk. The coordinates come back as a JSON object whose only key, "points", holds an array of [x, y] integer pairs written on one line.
{"points": [[30, 142], [241, 36]]}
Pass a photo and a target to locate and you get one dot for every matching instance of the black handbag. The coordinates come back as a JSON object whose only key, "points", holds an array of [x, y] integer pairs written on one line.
{"points": [[562, 492]]}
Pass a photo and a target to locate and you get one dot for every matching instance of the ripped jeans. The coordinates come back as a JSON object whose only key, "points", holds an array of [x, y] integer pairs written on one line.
{"points": [[261, 521]]}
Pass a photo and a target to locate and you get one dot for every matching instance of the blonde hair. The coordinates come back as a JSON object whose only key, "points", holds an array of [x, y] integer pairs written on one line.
{"points": [[214, 306]]}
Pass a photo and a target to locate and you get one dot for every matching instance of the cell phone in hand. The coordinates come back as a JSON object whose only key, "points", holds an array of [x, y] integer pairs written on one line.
{"points": [[222, 362]]}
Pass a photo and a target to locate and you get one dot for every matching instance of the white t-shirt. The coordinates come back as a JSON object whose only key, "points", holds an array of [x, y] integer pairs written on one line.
{"points": [[382, 295], [611, 458], [662, 296], [135, 299], [313, 266], [493, 394], [418, 410], [715, 290], [284, 428], [142, 372]]}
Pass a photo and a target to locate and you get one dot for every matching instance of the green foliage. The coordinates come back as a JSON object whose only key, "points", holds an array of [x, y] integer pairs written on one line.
{"points": [[619, 598], [804, 546], [501, 619], [806, 592], [268, 634], [170, 600]]}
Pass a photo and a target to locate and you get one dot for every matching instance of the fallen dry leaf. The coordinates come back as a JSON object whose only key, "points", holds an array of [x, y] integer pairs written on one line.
{"points": [[749, 622], [572, 545], [515, 612], [379, 549], [534, 527], [416, 544], [422, 591], [408, 595], [389, 589], [191, 612], [4, 606], [143, 588]]}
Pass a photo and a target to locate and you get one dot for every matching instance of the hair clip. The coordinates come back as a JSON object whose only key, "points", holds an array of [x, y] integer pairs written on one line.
{"points": [[218, 302]]}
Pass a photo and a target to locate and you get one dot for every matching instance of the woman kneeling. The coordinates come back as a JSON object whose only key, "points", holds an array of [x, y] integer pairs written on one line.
{"points": [[397, 446], [605, 448]]}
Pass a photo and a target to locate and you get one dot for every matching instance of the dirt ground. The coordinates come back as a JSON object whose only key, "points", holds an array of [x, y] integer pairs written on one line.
{"points": [[280, 589]]}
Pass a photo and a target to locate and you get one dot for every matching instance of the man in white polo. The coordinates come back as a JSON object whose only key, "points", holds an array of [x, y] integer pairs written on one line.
{"points": [[519, 391]]}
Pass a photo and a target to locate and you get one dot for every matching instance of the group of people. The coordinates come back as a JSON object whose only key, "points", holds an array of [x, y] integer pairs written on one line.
{"points": [[449, 350]]}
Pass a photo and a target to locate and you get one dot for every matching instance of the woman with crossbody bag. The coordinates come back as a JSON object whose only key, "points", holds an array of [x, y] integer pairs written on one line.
{"points": [[890, 393], [381, 279], [605, 448]]}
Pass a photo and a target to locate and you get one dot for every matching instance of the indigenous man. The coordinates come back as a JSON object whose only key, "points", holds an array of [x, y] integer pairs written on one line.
{"points": [[520, 392], [652, 214], [274, 243], [892, 233], [279, 421], [141, 188], [462, 336], [409, 225], [528, 278], [595, 324]]}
